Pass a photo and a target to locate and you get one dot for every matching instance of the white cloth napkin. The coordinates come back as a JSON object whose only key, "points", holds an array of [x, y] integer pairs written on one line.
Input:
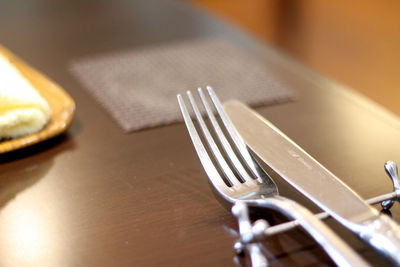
{"points": [[22, 110]]}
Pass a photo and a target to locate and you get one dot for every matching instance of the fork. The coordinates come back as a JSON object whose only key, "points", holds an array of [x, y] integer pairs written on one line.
{"points": [[252, 186]]}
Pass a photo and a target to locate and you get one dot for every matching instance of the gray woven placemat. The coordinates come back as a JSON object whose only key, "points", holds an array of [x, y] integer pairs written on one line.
{"points": [[138, 87]]}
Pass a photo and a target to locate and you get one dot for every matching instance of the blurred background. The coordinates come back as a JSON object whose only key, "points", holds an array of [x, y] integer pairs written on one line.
{"points": [[354, 42]]}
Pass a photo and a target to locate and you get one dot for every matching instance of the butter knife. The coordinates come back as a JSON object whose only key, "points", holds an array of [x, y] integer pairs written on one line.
{"points": [[314, 181]]}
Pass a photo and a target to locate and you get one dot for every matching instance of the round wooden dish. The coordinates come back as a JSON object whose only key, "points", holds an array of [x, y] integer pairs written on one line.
{"points": [[61, 104]]}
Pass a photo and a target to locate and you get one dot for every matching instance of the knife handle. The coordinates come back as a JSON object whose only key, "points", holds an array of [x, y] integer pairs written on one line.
{"points": [[341, 253], [383, 233]]}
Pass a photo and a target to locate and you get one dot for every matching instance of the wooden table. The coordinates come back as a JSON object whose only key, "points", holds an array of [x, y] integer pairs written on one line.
{"points": [[98, 197], [355, 44]]}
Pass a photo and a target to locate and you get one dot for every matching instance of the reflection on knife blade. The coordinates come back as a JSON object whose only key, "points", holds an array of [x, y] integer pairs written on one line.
{"points": [[314, 181]]}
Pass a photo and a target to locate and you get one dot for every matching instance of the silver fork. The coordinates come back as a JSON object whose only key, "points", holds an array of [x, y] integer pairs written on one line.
{"points": [[253, 187]]}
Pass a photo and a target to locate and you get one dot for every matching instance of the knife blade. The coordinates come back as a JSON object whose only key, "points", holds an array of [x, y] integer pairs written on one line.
{"points": [[314, 181]]}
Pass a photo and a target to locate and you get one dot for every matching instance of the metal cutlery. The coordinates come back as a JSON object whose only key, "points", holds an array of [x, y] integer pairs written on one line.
{"points": [[240, 211], [253, 187], [313, 180], [386, 200]]}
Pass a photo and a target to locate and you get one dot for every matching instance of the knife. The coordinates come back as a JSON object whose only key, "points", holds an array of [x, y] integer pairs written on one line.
{"points": [[314, 181]]}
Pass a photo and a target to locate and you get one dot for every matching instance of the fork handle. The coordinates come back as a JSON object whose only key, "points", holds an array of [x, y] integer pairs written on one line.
{"points": [[382, 233], [341, 253]]}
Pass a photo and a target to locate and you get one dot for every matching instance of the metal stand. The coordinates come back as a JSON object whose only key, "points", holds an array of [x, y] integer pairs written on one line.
{"points": [[251, 233]]}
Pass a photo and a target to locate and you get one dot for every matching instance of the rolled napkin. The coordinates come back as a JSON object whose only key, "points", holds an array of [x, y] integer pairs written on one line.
{"points": [[22, 110]]}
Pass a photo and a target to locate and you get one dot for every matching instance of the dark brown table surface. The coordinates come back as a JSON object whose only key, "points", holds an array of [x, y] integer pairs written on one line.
{"points": [[96, 196]]}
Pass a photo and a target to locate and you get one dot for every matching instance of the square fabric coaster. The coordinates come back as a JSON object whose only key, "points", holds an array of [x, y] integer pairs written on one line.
{"points": [[138, 87]]}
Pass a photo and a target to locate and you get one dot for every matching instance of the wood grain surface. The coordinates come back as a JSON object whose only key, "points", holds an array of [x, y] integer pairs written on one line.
{"points": [[98, 197]]}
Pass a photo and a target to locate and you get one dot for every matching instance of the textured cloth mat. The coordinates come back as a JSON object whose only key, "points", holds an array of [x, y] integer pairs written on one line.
{"points": [[138, 87]]}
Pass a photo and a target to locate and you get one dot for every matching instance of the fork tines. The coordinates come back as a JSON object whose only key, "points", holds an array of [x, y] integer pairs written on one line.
{"points": [[213, 174]]}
